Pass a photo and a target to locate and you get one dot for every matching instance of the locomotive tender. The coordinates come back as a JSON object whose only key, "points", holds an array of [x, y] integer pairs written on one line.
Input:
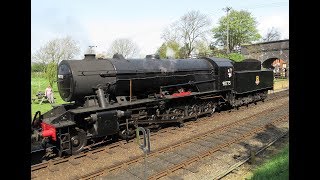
{"points": [[109, 98]]}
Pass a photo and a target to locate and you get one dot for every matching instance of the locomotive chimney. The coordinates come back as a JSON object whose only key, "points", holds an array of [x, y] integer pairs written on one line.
{"points": [[152, 56], [90, 57]]}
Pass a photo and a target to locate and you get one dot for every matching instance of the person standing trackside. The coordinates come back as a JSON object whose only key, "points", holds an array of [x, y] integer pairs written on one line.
{"points": [[49, 94]]}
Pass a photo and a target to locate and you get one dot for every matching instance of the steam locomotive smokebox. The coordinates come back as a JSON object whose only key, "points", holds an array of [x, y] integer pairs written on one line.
{"points": [[78, 78], [248, 81]]}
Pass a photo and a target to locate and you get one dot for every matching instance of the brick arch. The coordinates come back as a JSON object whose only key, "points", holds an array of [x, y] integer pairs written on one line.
{"points": [[268, 63], [267, 50]]}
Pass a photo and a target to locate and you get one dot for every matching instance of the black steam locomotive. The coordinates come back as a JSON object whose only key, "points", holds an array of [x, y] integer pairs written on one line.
{"points": [[109, 98]]}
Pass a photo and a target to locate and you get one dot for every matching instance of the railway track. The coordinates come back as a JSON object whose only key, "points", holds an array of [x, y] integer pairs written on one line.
{"points": [[110, 149], [251, 157], [187, 154]]}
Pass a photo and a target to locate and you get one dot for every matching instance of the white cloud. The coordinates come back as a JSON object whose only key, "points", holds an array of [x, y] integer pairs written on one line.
{"points": [[280, 21], [146, 34]]}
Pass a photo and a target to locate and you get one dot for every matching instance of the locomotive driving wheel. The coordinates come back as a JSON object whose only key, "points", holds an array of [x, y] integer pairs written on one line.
{"points": [[194, 110], [213, 108], [179, 114], [78, 140]]}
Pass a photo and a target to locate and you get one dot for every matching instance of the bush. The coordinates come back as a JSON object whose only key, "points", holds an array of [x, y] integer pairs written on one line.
{"points": [[275, 168], [237, 57], [51, 73], [38, 67]]}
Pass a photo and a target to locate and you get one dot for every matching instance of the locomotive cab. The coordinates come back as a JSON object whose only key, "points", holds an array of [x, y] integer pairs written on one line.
{"points": [[224, 73]]}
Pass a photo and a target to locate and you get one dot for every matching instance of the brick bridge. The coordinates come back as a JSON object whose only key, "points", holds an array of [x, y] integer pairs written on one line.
{"points": [[268, 52]]}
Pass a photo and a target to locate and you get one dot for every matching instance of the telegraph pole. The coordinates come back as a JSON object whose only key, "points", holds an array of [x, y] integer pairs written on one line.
{"points": [[227, 9]]}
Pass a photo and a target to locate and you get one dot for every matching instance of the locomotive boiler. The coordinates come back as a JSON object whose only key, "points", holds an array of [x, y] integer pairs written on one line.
{"points": [[77, 79], [110, 98]]}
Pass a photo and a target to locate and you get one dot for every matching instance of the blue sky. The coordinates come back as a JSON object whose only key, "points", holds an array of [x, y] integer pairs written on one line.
{"points": [[99, 22]]}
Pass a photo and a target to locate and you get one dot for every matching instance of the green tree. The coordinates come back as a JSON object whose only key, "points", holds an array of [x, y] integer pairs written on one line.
{"points": [[51, 73], [124, 46], [53, 52], [188, 30], [56, 50], [242, 29], [203, 49], [38, 67], [169, 49], [183, 52], [237, 57], [162, 51], [273, 34]]}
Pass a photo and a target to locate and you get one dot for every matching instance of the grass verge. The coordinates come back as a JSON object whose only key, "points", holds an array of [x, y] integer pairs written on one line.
{"points": [[276, 168], [39, 83]]}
